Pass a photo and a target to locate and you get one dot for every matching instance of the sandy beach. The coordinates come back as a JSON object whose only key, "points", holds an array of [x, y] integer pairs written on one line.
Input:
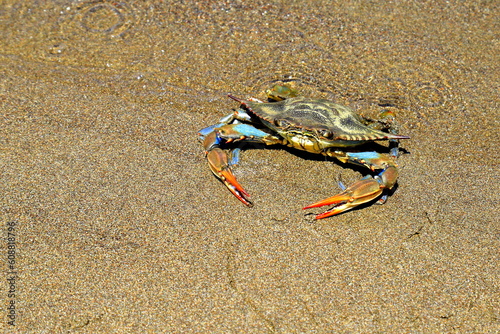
{"points": [[113, 223]]}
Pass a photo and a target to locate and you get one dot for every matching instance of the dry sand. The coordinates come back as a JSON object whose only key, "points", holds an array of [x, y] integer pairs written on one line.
{"points": [[119, 226]]}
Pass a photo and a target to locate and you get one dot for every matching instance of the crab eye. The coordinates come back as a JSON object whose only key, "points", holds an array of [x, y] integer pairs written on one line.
{"points": [[282, 123], [325, 133]]}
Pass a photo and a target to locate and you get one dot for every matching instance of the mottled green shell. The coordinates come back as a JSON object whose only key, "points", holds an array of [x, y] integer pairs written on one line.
{"points": [[316, 115]]}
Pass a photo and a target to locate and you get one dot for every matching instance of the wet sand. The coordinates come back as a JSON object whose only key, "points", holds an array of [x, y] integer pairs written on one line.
{"points": [[119, 226]]}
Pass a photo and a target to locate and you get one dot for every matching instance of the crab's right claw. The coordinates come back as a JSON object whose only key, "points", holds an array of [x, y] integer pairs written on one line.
{"points": [[360, 192], [219, 164]]}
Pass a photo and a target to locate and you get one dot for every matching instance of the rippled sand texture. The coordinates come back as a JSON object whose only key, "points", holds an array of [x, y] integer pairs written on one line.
{"points": [[120, 226]]}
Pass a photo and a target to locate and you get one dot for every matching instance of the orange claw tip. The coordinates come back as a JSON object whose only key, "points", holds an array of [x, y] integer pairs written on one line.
{"points": [[337, 199], [230, 180], [243, 197], [330, 213], [237, 190], [245, 201]]}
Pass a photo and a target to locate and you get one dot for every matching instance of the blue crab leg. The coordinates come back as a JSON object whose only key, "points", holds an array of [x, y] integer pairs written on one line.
{"points": [[233, 118], [203, 133], [218, 141], [365, 190]]}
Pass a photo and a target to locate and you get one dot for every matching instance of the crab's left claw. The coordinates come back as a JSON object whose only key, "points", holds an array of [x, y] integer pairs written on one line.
{"points": [[219, 164], [363, 191]]}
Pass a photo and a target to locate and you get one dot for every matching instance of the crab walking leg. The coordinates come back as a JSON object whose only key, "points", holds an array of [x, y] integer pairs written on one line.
{"points": [[217, 141], [364, 190]]}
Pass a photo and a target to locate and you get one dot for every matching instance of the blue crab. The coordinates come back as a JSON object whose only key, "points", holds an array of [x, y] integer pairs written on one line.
{"points": [[313, 125]]}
